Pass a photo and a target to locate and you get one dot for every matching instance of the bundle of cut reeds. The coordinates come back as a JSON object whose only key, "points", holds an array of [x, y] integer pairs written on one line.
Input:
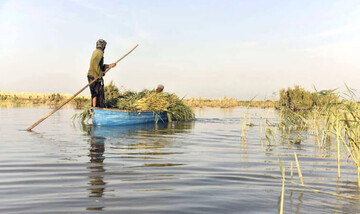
{"points": [[145, 100]]}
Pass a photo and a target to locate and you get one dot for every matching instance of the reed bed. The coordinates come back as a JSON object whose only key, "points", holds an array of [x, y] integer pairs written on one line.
{"points": [[204, 102], [334, 119], [298, 98], [338, 123], [325, 116], [226, 102], [259, 103], [11, 99]]}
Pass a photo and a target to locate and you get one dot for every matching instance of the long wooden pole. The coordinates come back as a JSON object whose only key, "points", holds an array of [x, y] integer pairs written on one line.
{"points": [[64, 103]]}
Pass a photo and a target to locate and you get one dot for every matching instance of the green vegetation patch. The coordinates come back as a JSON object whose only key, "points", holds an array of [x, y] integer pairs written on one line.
{"points": [[327, 116], [298, 98]]}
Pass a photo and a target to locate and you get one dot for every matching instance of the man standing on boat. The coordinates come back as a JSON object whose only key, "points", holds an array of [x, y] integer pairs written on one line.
{"points": [[96, 71]]}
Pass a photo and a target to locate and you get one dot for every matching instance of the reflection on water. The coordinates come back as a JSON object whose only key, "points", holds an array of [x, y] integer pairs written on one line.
{"points": [[96, 168], [99, 134], [145, 130], [97, 149]]}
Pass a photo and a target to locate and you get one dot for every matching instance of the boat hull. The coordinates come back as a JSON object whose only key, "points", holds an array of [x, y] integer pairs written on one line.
{"points": [[111, 117]]}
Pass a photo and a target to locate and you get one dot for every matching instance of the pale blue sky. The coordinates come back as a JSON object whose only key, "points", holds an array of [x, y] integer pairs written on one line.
{"points": [[195, 48]]}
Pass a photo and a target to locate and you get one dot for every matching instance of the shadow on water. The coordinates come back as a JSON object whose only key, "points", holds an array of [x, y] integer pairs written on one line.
{"points": [[100, 134]]}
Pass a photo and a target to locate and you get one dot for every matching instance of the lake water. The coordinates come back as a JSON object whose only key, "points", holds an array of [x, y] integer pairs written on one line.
{"points": [[198, 167]]}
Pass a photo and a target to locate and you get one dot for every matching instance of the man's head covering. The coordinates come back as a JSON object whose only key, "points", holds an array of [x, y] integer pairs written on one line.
{"points": [[101, 44], [160, 88]]}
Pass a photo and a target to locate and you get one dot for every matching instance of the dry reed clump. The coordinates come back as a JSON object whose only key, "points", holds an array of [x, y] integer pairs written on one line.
{"points": [[298, 98], [148, 100], [156, 102]]}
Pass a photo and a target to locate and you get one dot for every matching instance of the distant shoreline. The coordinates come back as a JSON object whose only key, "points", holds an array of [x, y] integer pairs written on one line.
{"points": [[24, 99], [229, 103]]}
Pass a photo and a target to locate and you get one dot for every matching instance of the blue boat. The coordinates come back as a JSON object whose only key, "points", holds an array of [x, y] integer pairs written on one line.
{"points": [[115, 117]]}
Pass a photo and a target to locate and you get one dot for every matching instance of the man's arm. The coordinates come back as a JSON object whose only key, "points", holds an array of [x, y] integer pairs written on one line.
{"points": [[103, 66]]}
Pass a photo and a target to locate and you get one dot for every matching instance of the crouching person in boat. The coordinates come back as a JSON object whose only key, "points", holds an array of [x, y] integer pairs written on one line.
{"points": [[97, 71], [159, 88]]}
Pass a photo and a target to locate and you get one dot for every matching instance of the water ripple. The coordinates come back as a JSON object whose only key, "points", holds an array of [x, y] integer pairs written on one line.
{"points": [[199, 167]]}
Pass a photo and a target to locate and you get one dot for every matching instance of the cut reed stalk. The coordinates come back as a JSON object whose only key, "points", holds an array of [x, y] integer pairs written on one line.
{"points": [[282, 196], [358, 176], [298, 168], [291, 170], [274, 136], [338, 134], [316, 190], [283, 186]]}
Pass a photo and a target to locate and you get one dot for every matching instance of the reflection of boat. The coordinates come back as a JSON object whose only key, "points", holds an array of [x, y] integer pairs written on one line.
{"points": [[118, 131], [113, 117]]}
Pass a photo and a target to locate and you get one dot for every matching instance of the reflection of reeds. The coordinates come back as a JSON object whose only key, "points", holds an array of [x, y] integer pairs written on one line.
{"points": [[245, 123]]}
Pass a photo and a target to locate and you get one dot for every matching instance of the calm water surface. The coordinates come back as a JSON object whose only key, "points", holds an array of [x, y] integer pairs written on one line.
{"points": [[198, 167]]}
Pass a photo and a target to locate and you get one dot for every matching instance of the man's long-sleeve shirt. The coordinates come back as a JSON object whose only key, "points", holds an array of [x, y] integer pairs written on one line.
{"points": [[97, 66]]}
